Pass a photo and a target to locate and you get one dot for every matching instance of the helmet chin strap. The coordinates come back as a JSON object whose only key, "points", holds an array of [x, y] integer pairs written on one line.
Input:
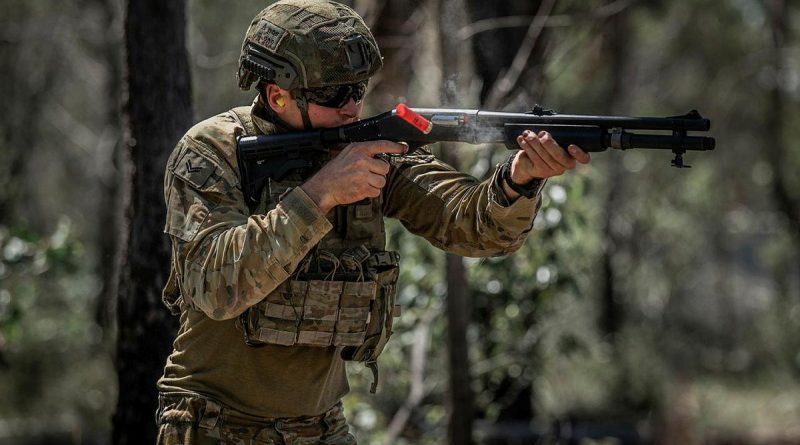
{"points": [[302, 104]]}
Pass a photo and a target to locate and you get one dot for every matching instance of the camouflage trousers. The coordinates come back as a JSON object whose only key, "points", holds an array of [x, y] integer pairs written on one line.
{"points": [[194, 420]]}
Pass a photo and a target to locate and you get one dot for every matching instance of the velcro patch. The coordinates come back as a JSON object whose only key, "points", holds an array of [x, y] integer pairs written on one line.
{"points": [[194, 169], [269, 35]]}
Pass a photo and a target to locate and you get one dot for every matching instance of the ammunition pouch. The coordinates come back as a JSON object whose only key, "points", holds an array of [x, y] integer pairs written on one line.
{"points": [[356, 315]]}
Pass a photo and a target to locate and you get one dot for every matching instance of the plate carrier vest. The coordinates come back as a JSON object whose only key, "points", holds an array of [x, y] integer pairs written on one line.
{"points": [[342, 293]]}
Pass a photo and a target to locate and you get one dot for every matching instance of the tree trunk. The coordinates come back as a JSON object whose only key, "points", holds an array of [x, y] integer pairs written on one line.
{"points": [[159, 111], [459, 428], [498, 45], [396, 27], [509, 60], [460, 403], [775, 148], [611, 313], [777, 154]]}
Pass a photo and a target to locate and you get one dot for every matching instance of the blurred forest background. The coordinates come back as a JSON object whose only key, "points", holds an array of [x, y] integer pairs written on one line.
{"points": [[650, 305]]}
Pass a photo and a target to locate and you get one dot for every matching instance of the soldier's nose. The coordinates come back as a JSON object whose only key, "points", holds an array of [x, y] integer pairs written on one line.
{"points": [[349, 110]]}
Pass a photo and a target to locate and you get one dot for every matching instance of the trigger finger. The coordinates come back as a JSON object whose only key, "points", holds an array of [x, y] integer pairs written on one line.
{"points": [[386, 147]]}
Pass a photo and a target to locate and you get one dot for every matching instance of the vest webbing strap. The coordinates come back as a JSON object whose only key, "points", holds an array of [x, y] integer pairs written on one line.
{"points": [[243, 117]]}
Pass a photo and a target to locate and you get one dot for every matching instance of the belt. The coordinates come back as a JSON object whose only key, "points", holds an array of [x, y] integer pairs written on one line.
{"points": [[207, 412]]}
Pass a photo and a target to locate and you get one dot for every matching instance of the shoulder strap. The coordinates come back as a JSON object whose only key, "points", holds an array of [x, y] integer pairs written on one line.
{"points": [[243, 117]]}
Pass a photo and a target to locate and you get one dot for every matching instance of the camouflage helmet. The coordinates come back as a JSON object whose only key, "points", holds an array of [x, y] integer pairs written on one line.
{"points": [[308, 44]]}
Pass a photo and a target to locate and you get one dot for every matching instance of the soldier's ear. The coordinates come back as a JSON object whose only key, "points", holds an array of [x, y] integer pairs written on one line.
{"points": [[276, 98]]}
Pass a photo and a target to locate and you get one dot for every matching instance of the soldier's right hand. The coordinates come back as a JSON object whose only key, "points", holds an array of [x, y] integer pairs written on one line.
{"points": [[354, 174]]}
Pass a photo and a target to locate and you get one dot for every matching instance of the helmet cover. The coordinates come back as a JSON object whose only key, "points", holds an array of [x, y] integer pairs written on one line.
{"points": [[308, 44]]}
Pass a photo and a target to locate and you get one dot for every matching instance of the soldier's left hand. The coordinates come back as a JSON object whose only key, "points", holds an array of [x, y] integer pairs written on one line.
{"points": [[541, 157]]}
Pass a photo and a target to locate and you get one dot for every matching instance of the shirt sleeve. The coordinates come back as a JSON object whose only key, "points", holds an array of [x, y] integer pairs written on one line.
{"points": [[227, 260], [454, 211]]}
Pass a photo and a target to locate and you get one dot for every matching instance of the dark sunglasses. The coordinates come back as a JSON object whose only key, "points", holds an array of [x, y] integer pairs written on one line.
{"points": [[336, 96]]}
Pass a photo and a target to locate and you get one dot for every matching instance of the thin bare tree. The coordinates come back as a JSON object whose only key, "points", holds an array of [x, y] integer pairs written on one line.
{"points": [[775, 148], [451, 17]]}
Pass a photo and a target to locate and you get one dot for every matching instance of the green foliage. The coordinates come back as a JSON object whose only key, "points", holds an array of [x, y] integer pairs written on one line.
{"points": [[55, 368]]}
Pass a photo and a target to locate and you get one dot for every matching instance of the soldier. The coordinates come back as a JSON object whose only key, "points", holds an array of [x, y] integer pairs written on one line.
{"points": [[273, 301]]}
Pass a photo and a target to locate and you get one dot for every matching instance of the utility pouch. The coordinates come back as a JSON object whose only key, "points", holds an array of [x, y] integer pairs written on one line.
{"points": [[355, 315], [312, 313], [385, 272]]}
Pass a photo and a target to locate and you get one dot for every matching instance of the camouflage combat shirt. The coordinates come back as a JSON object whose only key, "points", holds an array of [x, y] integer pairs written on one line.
{"points": [[227, 260]]}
